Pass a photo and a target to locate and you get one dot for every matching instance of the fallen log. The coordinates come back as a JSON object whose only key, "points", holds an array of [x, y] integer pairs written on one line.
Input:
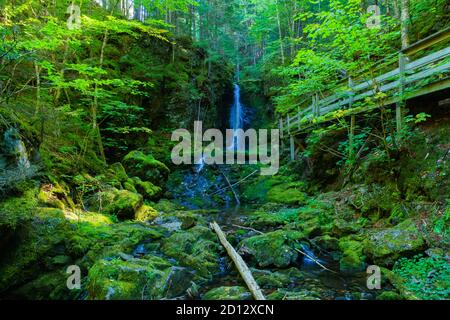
{"points": [[240, 264]]}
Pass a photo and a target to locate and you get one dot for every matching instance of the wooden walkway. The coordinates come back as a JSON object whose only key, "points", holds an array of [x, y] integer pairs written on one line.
{"points": [[418, 70]]}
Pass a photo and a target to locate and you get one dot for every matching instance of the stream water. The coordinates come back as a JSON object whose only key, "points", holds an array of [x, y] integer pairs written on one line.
{"points": [[199, 184]]}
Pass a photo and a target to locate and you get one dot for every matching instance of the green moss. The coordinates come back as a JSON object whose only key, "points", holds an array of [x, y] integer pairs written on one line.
{"points": [[146, 213], [267, 219], [149, 278], [146, 167], [389, 295], [16, 211], [196, 248], [353, 259], [288, 193], [119, 172], [147, 189], [386, 246], [228, 293], [273, 248], [426, 277]]}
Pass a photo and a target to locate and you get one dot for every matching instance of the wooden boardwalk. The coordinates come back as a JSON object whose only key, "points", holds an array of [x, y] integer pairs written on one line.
{"points": [[418, 70]]}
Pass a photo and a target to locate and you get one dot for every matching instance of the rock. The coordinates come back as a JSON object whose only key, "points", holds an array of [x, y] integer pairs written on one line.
{"points": [[288, 193], [119, 172], [123, 204], [386, 246], [196, 248], [326, 242], [146, 213], [55, 196], [146, 167], [353, 259], [147, 189], [274, 248], [272, 280], [228, 293], [151, 278]]}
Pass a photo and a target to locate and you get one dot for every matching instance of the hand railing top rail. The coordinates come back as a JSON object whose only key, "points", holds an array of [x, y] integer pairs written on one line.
{"points": [[330, 102]]}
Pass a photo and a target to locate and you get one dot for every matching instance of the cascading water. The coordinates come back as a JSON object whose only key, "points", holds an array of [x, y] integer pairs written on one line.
{"points": [[236, 116], [16, 147]]}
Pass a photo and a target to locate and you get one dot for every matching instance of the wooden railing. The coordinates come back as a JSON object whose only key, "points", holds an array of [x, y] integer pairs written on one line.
{"points": [[407, 79]]}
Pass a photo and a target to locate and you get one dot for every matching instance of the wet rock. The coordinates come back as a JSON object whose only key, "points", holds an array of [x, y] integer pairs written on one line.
{"points": [[279, 279], [146, 168], [228, 293], [326, 242], [386, 246], [274, 248]]}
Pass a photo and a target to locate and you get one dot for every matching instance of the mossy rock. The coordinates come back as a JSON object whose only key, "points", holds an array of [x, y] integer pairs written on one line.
{"points": [[353, 259], [119, 172], [146, 213], [16, 211], [272, 219], [123, 204], [228, 293], [196, 248], [273, 248], [288, 193], [39, 239], [386, 246], [147, 189], [151, 278], [146, 167], [56, 195], [279, 279]]}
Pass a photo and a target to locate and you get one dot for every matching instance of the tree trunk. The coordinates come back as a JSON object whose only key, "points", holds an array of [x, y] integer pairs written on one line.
{"points": [[405, 23]]}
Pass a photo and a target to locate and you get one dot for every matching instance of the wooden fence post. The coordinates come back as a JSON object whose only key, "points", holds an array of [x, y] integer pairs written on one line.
{"points": [[352, 135], [351, 94], [292, 145]]}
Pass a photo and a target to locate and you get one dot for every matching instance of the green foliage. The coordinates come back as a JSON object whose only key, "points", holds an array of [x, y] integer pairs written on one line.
{"points": [[426, 277]]}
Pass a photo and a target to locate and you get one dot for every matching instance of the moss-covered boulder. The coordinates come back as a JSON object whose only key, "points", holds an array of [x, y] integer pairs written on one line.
{"points": [[353, 259], [147, 189], [274, 248], [150, 278], [146, 167], [123, 204], [386, 246], [228, 293], [288, 193], [196, 248], [146, 213], [119, 172], [279, 279]]}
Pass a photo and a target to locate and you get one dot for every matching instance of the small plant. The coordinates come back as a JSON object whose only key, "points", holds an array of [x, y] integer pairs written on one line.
{"points": [[426, 277]]}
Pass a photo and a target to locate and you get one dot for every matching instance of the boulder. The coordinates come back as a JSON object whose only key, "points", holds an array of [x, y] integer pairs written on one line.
{"points": [[152, 278], [386, 246], [273, 248], [146, 167]]}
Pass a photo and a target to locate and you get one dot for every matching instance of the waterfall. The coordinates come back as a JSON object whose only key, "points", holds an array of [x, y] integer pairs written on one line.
{"points": [[236, 116], [16, 147]]}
